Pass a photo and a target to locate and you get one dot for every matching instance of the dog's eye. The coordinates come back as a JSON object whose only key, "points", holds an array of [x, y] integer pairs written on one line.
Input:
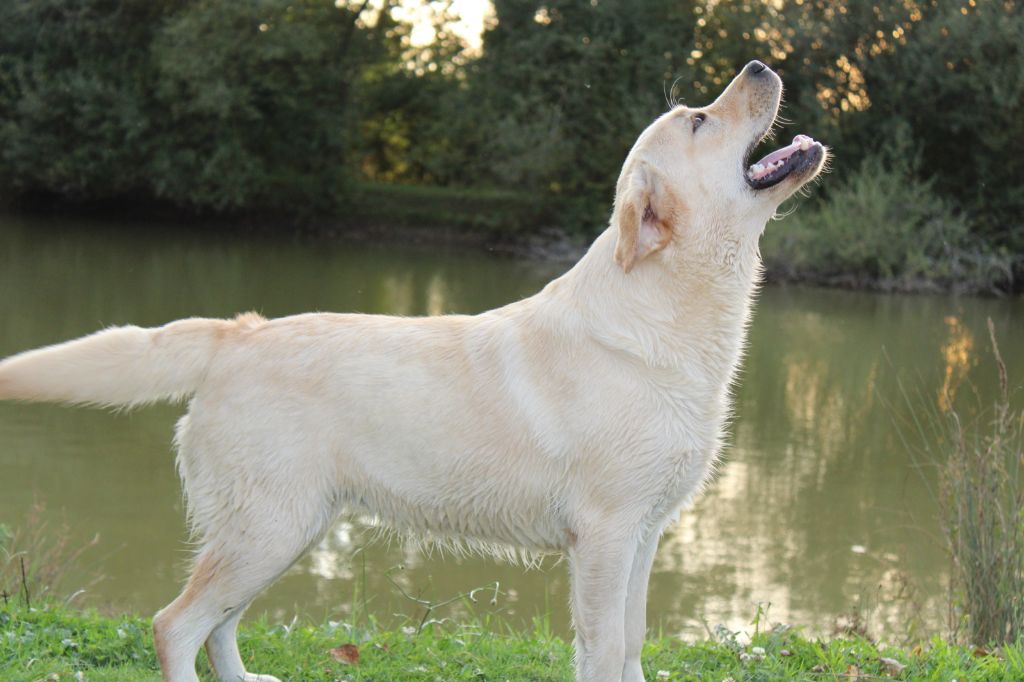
{"points": [[698, 118]]}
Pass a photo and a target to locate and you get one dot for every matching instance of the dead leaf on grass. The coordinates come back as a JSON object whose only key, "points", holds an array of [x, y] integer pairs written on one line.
{"points": [[346, 653]]}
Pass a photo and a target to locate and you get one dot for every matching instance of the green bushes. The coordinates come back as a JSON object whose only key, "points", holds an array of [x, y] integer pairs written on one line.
{"points": [[253, 106], [209, 105], [214, 105], [75, 96], [953, 87], [885, 228], [561, 90]]}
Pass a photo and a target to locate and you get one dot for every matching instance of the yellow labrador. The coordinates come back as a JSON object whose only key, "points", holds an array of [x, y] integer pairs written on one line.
{"points": [[578, 420]]}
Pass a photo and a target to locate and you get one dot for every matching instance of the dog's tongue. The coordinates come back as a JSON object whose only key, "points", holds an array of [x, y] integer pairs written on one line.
{"points": [[764, 166]]}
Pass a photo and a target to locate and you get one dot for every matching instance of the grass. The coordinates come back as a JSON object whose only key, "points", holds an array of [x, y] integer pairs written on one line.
{"points": [[34, 557], [44, 639], [56, 643]]}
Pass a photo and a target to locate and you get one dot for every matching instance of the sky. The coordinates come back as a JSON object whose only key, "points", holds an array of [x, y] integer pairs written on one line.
{"points": [[469, 25]]}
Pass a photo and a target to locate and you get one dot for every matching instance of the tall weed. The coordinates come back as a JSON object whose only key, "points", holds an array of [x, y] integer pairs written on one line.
{"points": [[982, 499], [35, 559]]}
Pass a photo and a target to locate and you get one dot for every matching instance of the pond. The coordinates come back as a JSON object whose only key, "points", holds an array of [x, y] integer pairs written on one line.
{"points": [[824, 506]]}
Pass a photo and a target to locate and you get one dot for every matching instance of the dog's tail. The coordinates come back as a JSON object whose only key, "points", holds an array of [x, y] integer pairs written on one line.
{"points": [[118, 367]]}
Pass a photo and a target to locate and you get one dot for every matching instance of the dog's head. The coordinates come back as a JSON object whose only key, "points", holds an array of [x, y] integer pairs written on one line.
{"points": [[689, 177]]}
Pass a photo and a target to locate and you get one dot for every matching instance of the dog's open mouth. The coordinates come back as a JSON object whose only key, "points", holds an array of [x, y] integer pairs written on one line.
{"points": [[801, 154]]}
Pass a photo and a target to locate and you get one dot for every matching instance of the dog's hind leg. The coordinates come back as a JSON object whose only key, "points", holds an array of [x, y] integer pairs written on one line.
{"points": [[222, 650], [230, 570]]}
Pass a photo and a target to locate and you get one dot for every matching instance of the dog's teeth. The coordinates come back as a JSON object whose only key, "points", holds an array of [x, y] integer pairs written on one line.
{"points": [[805, 144]]}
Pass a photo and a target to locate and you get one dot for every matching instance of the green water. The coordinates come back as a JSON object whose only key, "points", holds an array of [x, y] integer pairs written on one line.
{"points": [[819, 508]]}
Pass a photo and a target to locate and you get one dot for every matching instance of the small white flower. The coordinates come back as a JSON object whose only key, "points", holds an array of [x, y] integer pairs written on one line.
{"points": [[757, 651], [663, 675]]}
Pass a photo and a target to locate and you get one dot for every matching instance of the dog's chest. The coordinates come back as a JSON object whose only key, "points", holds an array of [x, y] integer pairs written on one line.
{"points": [[684, 433]]}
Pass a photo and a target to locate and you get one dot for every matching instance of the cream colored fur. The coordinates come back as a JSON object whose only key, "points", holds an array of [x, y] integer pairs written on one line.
{"points": [[578, 420]]}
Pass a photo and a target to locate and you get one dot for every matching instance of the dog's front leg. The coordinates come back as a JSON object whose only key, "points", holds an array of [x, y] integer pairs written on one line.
{"points": [[636, 607], [599, 564]]}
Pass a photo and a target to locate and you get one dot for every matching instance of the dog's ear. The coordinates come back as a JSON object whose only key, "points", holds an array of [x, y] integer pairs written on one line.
{"points": [[645, 210]]}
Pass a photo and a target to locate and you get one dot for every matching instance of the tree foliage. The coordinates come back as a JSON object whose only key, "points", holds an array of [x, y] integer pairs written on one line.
{"points": [[562, 88], [75, 108], [220, 105], [253, 104], [210, 104], [955, 87]]}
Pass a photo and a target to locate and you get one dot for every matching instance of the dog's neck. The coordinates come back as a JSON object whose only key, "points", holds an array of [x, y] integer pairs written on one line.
{"points": [[658, 311]]}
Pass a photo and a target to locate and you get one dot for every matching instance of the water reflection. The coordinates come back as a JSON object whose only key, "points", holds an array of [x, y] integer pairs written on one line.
{"points": [[818, 508], [956, 353]]}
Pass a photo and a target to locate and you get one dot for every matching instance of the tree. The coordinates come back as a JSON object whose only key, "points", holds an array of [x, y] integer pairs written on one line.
{"points": [[567, 86], [75, 104], [208, 104], [255, 101]]}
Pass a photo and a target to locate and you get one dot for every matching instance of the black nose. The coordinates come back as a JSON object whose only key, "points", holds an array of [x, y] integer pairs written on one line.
{"points": [[755, 67]]}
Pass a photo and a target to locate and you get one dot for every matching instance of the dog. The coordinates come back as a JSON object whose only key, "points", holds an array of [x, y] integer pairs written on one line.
{"points": [[579, 420]]}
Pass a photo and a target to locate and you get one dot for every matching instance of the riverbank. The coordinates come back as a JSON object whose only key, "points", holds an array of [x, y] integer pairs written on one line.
{"points": [[877, 231], [858, 239], [58, 643]]}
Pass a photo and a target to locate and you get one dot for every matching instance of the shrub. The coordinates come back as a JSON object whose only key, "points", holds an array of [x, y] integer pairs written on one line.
{"points": [[210, 105], [886, 228], [74, 109], [253, 98], [958, 82]]}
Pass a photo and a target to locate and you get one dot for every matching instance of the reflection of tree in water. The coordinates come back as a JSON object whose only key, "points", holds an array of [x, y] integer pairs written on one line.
{"points": [[956, 353], [83, 276], [816, 466], [818, 505]]}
